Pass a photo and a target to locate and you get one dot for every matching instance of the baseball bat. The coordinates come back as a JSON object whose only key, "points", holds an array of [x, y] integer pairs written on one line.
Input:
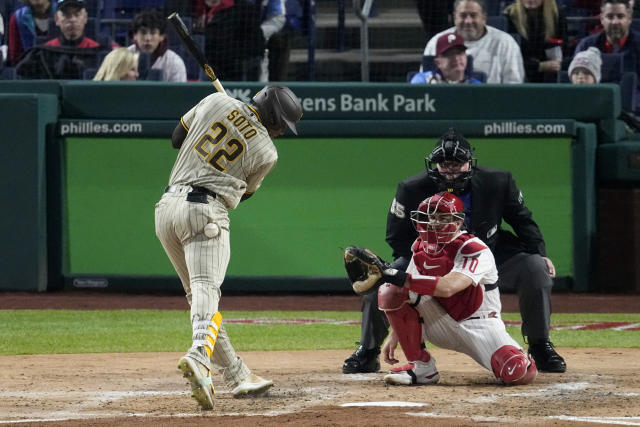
{"points": [[181, 29]]}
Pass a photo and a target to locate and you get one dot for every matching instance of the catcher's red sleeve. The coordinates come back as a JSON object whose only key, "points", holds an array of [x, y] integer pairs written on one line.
{"points": [[423, 285]]}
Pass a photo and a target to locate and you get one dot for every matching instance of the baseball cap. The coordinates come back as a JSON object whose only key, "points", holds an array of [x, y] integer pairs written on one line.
{"points": [[447, 41], [62, 4]]}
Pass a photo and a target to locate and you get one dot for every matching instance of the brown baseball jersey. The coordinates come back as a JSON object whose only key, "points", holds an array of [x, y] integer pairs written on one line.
{"points": [[226, 150]]}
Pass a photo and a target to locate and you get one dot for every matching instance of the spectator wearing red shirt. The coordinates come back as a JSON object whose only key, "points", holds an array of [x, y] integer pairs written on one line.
{"points": [[72, 18]]}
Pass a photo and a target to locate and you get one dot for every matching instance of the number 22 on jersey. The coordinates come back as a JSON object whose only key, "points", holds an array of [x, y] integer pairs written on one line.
{"points": [[210, 148]]}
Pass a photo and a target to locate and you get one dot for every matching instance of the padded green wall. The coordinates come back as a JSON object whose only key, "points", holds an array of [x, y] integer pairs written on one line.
{"points": [[324, 195]]}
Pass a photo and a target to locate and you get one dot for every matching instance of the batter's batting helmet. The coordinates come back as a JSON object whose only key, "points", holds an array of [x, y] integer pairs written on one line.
{"points": [[451, 146], [277, 106]]}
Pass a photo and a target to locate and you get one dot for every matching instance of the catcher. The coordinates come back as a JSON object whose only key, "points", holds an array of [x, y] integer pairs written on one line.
{"points": [[448, 296]]}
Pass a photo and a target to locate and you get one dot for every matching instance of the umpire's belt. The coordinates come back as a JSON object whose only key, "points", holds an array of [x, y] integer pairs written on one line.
{"points": [[189, 189]]}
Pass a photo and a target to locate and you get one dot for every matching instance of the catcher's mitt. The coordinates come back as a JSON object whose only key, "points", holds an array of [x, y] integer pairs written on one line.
{"points": [[367, 270]]}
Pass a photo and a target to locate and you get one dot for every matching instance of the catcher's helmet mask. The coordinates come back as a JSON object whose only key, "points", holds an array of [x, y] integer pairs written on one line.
{"points": [[277, 107], [452, 147], [438, 220]]}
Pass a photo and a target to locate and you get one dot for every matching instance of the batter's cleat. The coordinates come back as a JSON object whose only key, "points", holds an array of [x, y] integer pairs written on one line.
{"points": [[200, 380], [414, 373], [546, 357], [362, 361], [252, 386]]}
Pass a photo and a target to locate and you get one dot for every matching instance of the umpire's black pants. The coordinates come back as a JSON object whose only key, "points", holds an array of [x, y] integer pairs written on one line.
{"points": [[526, 273]]}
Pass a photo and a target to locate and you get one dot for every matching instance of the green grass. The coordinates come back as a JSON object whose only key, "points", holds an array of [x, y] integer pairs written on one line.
{"points": [[71, 331]]}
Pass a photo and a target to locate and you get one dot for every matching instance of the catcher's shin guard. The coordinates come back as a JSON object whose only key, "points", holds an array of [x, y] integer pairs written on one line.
{"points": [[512, 366], [404, 320], [210, 331]]}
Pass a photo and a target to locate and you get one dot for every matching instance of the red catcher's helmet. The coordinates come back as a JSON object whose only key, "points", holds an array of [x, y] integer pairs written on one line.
{"points": [[438, 220]]}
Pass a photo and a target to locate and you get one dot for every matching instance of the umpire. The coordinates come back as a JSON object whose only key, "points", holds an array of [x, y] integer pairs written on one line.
{"points": [[489, 196]]}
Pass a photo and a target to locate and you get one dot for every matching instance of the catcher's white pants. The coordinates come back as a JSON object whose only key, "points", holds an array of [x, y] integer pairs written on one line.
{"points": [[201, 264], [479, 336]]}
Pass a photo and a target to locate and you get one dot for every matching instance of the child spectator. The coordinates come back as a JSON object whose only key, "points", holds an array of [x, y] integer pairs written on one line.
{"points": [[450, 62], [119, 64], [543, 29], [585, 67], [27, 23], [148, 29]]}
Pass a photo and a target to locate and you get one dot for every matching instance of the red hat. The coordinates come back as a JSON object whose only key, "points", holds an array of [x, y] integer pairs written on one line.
{"points": [[447, 41]]}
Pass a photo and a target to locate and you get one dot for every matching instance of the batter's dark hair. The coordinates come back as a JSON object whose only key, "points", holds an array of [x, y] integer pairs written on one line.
{"points": [[149, 18]]}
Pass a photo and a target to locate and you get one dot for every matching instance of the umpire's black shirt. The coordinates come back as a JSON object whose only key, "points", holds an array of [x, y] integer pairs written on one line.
{"points": [[494, 197]]}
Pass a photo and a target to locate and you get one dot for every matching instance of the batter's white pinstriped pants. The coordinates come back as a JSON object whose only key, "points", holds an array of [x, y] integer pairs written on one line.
{"points": [[201, 264]]}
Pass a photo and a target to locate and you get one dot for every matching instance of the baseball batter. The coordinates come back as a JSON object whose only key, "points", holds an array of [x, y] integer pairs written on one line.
{"points": [[448, 296], [226, 150]]}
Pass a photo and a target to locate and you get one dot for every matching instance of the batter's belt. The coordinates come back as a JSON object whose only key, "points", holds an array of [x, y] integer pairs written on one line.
{"points": [[189, 189]]}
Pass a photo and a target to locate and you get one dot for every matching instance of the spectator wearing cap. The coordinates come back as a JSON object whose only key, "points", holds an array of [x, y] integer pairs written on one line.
{"points": [[450, 62], [72, 18], [542, 27], [149, 35], [494, 52], [27, 23], [585, 67]]}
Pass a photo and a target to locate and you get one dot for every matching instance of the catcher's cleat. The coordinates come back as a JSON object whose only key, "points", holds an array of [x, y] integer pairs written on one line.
{"points": [[252, 386], [200, 380], [546, 357], [418, 373], [362, 361]]}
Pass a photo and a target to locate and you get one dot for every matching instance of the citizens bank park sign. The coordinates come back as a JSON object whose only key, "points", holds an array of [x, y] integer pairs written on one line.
{"points": [[373, 102]]}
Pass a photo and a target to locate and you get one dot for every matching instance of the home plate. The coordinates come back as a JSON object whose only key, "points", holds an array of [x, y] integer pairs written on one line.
{"points": [[395, 404]]}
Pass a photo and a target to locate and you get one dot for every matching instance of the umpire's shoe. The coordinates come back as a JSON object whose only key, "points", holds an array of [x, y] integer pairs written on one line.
{"points": [[200, 380], [362, 361], [547, 360]]}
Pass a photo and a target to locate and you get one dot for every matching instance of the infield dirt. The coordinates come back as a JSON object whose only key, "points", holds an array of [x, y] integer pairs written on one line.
{"points": [[601, 386]]}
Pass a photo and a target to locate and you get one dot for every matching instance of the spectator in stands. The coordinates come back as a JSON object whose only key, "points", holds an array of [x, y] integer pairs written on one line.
{"points": [[450, 62], [542, 27], [235, 43], [71, 18], [69, 54], [27, 23], [203, 11], [148, 30], [616, 36], [494, 52], [585, 67], [119, 64]]}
